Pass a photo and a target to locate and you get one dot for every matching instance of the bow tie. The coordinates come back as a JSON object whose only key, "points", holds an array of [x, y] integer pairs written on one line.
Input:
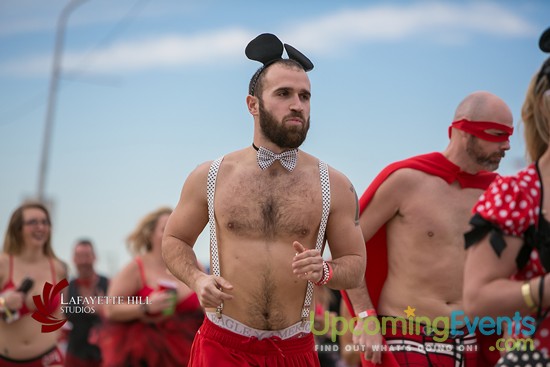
{"points": [[266, 158]]}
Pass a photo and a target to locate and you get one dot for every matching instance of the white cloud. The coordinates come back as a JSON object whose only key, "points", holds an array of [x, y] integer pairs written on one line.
{"points": [[387, 23], [440, 22], [165, 51], [136, 55], [24, 17]]}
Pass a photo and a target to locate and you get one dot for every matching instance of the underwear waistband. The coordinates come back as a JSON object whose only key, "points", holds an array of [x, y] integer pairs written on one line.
{"points": [[273, 344], [230, 324]]}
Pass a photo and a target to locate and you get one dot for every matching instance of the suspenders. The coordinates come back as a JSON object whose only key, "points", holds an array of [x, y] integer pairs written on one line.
{"points": [[210, 189], [214, 255]]}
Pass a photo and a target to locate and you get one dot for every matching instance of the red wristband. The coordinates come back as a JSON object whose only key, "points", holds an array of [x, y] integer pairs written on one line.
{"points": [[327, 274]]}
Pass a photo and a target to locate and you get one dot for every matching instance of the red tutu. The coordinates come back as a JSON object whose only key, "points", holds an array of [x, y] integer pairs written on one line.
{"points": [[138, 344]]}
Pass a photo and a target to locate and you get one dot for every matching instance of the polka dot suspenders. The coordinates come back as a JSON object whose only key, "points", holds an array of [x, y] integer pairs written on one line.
{"points": [[214, 255]]}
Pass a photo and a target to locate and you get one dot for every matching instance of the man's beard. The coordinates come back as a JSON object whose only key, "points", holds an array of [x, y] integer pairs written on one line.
{"points": [[488, 161], [279, 133]]}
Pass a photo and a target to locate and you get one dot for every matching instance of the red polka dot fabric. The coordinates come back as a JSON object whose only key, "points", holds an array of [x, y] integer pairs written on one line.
{"points": [[513, 204]]}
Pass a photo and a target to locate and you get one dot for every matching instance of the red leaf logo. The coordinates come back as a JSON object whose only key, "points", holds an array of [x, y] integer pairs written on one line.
{"points": [[47, 305]]}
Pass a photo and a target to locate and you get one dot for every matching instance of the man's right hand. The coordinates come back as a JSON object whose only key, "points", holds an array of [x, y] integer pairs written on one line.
{"points": [[209, 289], [366, 340]]}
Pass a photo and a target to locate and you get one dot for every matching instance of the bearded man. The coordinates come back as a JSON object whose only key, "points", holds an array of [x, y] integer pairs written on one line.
{"points": [[270, 207], [414, 216]]}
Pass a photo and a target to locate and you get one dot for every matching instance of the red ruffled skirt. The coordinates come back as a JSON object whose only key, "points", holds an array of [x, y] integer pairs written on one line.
{"points": [[138, 344]]}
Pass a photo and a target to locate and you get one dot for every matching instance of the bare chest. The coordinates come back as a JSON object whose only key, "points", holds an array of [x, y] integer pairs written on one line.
{"points": [[438, 211], [39, 273], [270, 206]]}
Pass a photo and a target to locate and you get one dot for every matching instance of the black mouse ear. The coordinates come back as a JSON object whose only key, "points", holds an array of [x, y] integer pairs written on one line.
{"points": [[296, 55], [265, 48], [544, 42]]}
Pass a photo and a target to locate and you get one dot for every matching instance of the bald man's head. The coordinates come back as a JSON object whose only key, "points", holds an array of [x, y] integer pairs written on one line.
{"points": [[484, 106]]}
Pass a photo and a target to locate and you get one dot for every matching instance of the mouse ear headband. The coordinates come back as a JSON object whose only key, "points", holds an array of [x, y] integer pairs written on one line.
{"points": [[544, 45], [544, 41], [267, 48]]}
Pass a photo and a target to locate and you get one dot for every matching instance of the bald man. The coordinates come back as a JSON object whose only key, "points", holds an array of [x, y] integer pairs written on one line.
{"points": [[413, 217]]}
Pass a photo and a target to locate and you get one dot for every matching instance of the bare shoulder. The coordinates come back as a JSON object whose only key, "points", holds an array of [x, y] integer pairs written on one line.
{"points": [[194, 187], [200, 174], [129, 270], [61, 268], [406, 179], [4, 260], [127, 279], [337, 178], [342, 190], [236, 159], [4, 265]]}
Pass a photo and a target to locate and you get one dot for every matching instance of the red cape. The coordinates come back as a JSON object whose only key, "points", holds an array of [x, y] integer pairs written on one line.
{"points": [[377, 269]]}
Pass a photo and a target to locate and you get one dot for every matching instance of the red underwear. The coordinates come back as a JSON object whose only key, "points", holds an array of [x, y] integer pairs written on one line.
{"points": [[215, 346]]}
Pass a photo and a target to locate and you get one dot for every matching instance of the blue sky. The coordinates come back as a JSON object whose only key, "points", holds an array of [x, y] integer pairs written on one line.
{"points": [[150, 89]]}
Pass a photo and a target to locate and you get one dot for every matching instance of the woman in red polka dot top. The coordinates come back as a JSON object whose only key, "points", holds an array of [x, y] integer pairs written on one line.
{"points": [[509, 244]]}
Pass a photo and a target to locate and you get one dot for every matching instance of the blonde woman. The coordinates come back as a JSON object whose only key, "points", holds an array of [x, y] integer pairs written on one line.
{"points": [[509, 247], [157, 333], [27, 254]]}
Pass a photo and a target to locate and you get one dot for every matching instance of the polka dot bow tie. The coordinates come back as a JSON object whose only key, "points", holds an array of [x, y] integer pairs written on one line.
{"points": [[266, 158]]}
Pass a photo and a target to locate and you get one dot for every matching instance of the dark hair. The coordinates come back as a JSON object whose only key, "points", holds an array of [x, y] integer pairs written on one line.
{"points": [[84, 242], [255, 87]]}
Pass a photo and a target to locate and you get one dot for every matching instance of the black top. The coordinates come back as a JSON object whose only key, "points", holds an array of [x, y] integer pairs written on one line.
{"points": [[78, 344]]}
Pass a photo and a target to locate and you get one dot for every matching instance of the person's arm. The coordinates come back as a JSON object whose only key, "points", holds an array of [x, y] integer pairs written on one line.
{"points": [[62, 270], [349, 355], [344, 236], [488, 291], [184, 226], [127, 283], [512, 206], [381, 209], [347, 246], [10, 300]]}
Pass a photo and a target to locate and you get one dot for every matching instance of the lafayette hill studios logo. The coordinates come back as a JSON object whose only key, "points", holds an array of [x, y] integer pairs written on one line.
{"points": [[47, 305]]}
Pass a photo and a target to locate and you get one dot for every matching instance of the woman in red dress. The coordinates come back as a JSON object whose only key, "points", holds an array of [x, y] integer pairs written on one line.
{"points": [[158, 331]]}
